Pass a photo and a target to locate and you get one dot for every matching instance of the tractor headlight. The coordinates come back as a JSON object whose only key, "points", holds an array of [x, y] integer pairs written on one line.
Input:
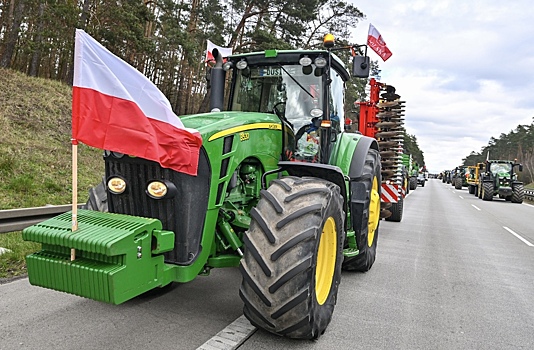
{"points": [[116, 185], [157, 189], [227, 66], [316, 112], [320, 62], [241, 64], [117, 154], [305, 61]]}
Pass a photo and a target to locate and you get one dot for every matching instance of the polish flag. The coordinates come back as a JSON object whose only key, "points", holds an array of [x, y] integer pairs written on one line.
{"points": [[377, 43], [116, 108], [224, 51]]}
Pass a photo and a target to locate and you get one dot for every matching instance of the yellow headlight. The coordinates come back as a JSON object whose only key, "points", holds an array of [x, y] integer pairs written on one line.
{"points": [[157, 189], [116, 185]]}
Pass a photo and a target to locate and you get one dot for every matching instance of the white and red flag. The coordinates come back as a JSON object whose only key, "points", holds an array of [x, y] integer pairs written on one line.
{"points": [[115, 107], [224, 51], [377, 43]]}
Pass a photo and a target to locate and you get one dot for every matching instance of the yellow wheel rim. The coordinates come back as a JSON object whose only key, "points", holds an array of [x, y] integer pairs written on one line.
{"points": [[374, 213], [326, 261]]}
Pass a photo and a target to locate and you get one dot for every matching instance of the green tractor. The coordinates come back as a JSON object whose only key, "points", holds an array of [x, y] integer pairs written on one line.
{"points": [[412, 169], [460, 178], [282, 192], [497, 177]]}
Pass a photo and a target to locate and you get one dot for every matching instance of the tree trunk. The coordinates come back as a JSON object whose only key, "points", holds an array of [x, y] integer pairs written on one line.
{"points": [[36, 56], [12, 36]]}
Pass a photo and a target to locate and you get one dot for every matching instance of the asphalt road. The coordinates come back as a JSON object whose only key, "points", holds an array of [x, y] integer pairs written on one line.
{"points": [[456, 273]]}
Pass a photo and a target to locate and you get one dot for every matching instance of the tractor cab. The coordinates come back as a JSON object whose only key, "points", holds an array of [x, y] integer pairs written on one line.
{"points": [[302, 88]]}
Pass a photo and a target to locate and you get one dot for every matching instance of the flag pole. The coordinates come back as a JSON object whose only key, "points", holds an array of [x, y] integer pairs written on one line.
{"points": [[74, 192]]}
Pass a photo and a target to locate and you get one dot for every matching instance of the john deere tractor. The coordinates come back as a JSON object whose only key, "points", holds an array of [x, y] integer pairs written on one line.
{"points": [[497, 177], [282, 192]]}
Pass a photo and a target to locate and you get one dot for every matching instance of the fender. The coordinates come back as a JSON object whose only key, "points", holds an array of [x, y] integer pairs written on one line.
{"points": [[327, 172], [358, 157]]}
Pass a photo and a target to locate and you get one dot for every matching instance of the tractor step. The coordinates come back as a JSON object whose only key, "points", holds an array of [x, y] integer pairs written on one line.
{"points": [[117, 257], [350, 252]]}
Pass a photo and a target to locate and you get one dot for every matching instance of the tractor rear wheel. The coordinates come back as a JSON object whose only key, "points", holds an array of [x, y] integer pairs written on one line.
{"points": [[487, 191], [366, 190], [291, 264], [413, 183], [396, 210], [458, 183], [518, 193]]}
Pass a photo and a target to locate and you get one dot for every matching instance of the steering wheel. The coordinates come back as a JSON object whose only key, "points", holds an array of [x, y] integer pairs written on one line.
{"points": [[279, 111]]}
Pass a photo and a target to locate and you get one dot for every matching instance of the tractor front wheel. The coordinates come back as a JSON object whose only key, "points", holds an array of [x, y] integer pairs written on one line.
{"points": [[487, 191], [291, 263], [518, 193]]}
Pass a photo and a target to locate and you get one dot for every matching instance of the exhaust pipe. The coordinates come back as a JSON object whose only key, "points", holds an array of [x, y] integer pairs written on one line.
{"points": [[217, 83]]}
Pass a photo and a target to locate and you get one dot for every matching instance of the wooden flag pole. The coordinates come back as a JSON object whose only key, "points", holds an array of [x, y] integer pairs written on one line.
{"points": [[74, 192]]}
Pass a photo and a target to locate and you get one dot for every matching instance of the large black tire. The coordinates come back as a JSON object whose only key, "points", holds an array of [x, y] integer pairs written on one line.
{"points": [[518, 193], [366, 216], [413, 183], [291, 263], [487, 191], [396, 210], [423, 183], [98, 200], [458, 183], [471, 189]]}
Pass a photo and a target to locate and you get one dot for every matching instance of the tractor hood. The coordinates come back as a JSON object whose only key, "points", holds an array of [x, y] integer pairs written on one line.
{"points": [[219, 124]]}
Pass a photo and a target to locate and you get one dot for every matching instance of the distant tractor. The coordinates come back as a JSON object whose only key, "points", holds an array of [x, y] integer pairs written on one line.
{"points": [[498, 178], [473, 178], [460, 179]]}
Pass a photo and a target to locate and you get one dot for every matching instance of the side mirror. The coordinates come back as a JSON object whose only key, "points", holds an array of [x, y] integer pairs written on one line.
{"points": [[520, 167], [360, 66]]}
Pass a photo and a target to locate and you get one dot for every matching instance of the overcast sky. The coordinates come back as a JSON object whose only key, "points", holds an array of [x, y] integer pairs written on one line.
{"points": [[464, 67]]}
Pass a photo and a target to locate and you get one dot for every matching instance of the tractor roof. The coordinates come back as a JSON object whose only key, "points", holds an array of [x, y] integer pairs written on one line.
{"points": [[274, 57]]}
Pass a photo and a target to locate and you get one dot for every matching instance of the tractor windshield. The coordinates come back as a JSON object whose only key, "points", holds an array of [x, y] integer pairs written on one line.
{"points": [[290, 90], [501, 169]]}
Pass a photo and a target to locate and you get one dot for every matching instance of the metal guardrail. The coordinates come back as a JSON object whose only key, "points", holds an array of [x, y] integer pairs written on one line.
{"points": [[529, 194], [18, 219]]}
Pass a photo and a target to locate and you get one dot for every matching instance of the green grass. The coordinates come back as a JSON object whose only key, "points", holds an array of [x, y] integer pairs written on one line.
{"points": [[12, 264], [36, 155]]}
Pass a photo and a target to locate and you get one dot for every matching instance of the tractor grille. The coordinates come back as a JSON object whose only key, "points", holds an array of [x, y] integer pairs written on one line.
{"points": [[184, 213]]}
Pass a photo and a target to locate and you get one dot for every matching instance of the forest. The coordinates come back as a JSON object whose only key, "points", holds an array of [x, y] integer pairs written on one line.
{"points": [[516, 145], [166, 39]]}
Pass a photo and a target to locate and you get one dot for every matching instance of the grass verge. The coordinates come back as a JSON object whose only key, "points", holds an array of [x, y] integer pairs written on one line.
{"points": [[13, 264]]}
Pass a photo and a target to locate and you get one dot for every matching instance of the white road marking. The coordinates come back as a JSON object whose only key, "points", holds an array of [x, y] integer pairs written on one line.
{"points": [[530, 205], [231, 337], [461, 197], [474, 206], [518, 236]]}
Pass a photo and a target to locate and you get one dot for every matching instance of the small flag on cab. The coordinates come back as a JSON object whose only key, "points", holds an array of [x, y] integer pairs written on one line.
{"points": [[377, 43]]}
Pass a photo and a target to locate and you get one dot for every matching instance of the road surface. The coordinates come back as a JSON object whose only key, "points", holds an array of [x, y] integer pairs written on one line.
{"points": [[456, 273]]}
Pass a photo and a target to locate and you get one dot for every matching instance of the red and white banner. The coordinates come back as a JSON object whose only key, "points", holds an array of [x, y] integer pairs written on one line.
{"points": [[115, 107], [377, 43], [224, 51]]}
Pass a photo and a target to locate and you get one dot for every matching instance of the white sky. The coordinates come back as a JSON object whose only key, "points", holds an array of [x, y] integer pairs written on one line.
{"points": [[464, 67]]}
